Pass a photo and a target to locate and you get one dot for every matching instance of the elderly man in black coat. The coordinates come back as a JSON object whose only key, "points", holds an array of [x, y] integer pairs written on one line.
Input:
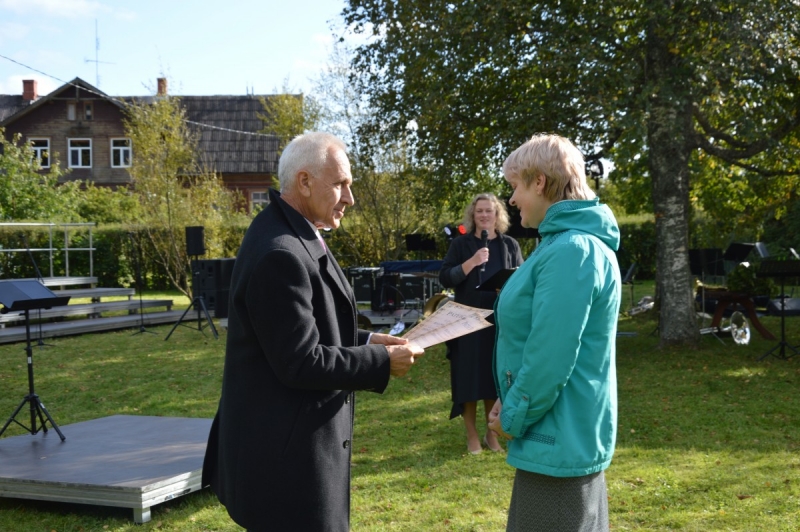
{"points": [[279, 451]]}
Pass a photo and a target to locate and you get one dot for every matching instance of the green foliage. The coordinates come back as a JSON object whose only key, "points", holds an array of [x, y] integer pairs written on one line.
{"points": [[393, 196], [104, 205], [173, 188], [743, 279], [287, 115], [27, 193], [694, 102], [638, 244], [784, 232]]}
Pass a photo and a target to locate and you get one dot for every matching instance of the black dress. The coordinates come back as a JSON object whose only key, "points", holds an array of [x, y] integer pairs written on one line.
{"points": [[471, 355]]}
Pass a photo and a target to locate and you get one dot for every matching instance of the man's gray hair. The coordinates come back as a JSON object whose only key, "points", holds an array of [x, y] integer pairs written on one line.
{"points": [[307, 152]]}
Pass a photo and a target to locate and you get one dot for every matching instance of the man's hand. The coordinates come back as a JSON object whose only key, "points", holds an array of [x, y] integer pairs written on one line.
{"points": [[401, 357], [386, 339], [494, 421]]}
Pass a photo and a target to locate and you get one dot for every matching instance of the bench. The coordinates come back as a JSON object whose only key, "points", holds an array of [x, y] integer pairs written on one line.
{"points": [[93, 310], [96, 293]]}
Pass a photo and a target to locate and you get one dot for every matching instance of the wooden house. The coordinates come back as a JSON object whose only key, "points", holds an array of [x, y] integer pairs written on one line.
{"points": [[84, 127]]}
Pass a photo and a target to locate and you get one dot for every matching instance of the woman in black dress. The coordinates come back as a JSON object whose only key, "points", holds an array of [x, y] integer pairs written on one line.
{"points": [[470, 356]]}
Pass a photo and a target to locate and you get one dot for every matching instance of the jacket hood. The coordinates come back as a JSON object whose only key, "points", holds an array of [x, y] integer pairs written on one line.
{"points": [[587, 216]]}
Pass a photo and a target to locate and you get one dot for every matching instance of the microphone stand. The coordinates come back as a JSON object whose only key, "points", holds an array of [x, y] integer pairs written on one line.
{"points": [[39, 278], [136, 249]]}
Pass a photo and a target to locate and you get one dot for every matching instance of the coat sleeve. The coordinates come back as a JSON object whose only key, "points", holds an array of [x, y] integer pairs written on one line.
{"points": [[452, 274], [516, 252], [288, 333], [565, 287]]}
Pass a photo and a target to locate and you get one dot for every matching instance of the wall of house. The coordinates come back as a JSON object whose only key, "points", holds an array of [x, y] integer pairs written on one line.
{"points": [[50, 121], [246, 185]]}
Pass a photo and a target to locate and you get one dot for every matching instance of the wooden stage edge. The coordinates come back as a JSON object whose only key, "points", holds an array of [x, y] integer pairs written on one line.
{"points": [[124, 461]]}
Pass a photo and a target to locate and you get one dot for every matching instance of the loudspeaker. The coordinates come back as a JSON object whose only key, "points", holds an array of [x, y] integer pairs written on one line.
{"points": [[420, 242], [363, 286], [385, 296], [195, 241], [216, 300], [412, 287], [211, 280]]}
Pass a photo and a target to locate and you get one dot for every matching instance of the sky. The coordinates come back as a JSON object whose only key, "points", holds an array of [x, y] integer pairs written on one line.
{"points": [[203, 47]]}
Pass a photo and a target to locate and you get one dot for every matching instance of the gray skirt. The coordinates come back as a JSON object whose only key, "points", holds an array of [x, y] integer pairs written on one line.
{"points": [[556, 504]]}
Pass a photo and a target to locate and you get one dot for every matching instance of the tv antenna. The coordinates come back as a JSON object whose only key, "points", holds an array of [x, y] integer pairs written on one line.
{"points": [[96, 59]]}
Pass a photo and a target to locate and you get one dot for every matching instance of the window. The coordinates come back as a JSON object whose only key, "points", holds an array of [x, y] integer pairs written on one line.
{"points": [[80, 153], [41, 150], [71, 110], [87, 111], [258, 200], [120, 153]]}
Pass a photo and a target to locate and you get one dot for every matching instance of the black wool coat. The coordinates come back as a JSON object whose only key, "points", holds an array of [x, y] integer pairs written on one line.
{"points": [[278, 454]]}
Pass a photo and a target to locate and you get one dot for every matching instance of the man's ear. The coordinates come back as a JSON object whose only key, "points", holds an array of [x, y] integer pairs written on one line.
{"points": [[303, 181]]}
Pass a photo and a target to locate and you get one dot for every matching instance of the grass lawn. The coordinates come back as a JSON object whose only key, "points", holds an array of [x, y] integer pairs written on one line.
{"points": [[708, 438]]}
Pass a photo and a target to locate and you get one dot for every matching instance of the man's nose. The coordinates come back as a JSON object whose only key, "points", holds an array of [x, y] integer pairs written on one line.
{"points": [[347, 196]]}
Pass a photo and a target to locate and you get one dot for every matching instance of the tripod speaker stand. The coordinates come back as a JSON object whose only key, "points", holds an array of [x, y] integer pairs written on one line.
{"points": [[198, 303], [27, 296]]}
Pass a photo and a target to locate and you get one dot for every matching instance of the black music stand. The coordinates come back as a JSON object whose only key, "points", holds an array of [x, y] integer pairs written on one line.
{"points": [[780, 269], [26, 296], [496, 281]]}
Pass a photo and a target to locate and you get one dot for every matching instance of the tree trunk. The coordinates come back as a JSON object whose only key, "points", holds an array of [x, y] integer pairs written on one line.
{"points": [[669, 129]]}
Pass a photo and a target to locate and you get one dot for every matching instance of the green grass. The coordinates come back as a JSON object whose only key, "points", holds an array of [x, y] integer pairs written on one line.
{"points": [[708, 437]]}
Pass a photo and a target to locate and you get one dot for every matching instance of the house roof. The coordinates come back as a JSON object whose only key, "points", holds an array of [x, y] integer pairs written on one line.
{"points": [[11, 104], [13, 112], [231, 151], [227, 127]]}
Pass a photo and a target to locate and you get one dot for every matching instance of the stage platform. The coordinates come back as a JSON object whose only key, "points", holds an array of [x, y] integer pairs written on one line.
{"points": [[125, 461]]}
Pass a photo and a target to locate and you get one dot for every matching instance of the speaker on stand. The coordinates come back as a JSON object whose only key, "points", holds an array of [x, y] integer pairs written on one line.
{"points": [[195, 241], [196, 246]]}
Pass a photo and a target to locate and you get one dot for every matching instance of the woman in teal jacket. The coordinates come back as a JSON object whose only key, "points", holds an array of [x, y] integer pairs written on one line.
{"points": [[554, 364]]}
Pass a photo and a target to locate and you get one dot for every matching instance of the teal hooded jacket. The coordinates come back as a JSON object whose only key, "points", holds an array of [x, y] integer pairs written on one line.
{"points": [[554, 361]]}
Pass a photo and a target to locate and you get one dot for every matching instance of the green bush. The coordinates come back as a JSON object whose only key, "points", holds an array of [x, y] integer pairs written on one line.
{"points": [[638, 244]]}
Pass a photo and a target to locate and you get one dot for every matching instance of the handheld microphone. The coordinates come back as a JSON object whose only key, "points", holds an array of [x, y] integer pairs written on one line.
{"points": [[485, 244]]}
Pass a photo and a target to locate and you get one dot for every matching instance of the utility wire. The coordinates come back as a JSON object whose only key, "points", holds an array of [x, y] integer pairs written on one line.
{"points": [[124, 103]]}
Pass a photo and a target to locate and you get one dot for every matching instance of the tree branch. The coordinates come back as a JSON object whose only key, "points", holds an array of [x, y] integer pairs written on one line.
{"points": [[742, 150]]}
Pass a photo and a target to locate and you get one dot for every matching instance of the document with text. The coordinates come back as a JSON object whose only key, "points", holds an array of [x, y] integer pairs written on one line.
{"points": [[450, 321]]}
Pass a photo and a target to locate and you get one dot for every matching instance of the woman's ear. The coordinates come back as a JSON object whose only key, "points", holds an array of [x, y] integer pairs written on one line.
{"points": [[539, 183]]}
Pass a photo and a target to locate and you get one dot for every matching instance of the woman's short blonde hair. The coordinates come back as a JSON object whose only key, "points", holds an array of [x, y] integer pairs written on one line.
{"points": [[501, 214], [558, 160]]}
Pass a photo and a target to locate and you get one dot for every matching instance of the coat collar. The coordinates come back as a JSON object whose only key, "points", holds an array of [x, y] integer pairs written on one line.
{"points": [[308, 237], [299, 225]]}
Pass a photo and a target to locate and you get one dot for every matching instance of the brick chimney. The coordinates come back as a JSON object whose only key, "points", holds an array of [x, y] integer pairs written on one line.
{"points": [[162, 87], [29, 92]]}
